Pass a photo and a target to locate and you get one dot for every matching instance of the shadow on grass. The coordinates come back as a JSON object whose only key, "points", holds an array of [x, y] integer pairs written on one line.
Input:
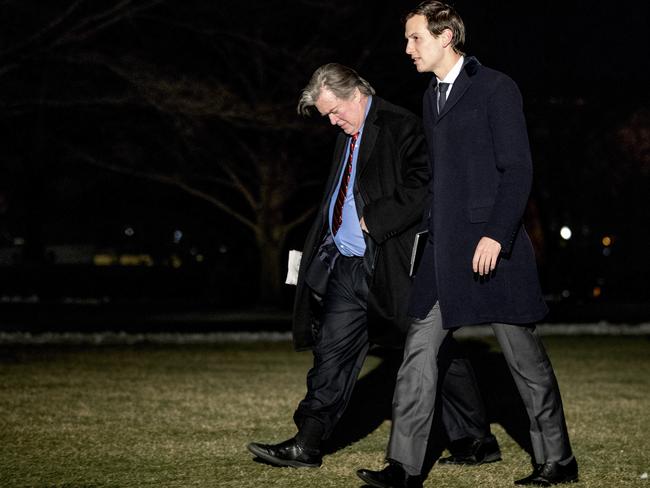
{"points": [[371, 400]]}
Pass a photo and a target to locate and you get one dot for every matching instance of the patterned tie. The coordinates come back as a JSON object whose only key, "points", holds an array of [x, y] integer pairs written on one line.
{"points": [[337, 216], [442, 95]]}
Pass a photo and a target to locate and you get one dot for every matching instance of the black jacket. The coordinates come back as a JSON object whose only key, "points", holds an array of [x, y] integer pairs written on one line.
{"points": [[390, 192]]}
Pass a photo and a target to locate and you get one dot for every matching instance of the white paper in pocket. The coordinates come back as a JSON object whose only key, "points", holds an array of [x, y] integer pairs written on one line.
{"points": [[293, 267]]}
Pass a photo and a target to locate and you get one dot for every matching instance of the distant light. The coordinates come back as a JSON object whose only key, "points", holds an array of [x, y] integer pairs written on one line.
{"points": [[223, 249], [565, 233], [607, 241], [19, 241], [199, 258], [607, 251], [135, 260], [178, 235], [129, 231], [175, 261], [566, 293], [104, 260], [597, 291]]}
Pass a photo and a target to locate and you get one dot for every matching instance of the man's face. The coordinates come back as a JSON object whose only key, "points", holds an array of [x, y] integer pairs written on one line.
{"points": [[347, 114], [425, 49]]}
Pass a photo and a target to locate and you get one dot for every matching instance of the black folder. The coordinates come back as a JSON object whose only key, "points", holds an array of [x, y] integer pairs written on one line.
{"points": [[418, 249]]}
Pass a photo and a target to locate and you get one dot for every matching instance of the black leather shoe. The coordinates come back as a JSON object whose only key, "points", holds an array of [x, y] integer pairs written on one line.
{"points": [[287, 453], [551, 474], [392, 476], [472, 452]]}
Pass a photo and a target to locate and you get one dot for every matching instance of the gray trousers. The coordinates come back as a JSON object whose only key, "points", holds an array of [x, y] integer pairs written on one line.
{"points": [[417, 385]]}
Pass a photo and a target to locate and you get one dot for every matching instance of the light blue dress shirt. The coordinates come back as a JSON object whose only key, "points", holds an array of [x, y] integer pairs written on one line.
{"points": [[349, 238]]}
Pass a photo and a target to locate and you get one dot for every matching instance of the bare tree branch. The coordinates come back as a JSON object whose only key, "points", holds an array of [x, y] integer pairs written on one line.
{"points": [[171, 181], [191, 97], [44, 31], [300, 219], [219, 181], [239, 185], [103, 20], [80, 30], [310, 183], [25, 106], [8, 68], [103, 15], [258, 44], [136, 89]]}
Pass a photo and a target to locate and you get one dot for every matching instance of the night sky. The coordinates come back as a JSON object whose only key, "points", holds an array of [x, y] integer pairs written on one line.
{"points": [[107, 105]]}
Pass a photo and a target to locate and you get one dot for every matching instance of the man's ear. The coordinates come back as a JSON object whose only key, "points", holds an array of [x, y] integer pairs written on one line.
{"points": [[447, 36]]}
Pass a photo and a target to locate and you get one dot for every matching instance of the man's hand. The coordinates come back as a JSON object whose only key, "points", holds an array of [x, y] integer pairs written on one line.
{"points": [[362, 223], [486, 256]]}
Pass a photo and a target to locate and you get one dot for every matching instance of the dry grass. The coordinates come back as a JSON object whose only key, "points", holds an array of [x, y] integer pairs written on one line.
{"points": [[181, 416]]}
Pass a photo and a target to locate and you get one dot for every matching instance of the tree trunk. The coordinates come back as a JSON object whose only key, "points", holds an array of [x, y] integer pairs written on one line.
{"points": [[270, 273]]}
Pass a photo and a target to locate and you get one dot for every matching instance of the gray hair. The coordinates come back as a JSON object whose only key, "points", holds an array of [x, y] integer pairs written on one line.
{"points": [[339, 79]]}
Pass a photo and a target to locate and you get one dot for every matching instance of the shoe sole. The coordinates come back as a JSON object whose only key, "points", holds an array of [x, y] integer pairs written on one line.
{"points": [[539, 482], [490, 458], [546, 483], [278, 461], [372, 482]]}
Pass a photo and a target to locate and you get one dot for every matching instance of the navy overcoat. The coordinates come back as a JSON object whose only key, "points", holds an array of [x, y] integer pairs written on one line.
{"points": [[482, 172]]}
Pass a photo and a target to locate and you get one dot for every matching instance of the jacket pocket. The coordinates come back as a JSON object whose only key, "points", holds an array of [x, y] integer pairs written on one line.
{"points": [[479, 214]]}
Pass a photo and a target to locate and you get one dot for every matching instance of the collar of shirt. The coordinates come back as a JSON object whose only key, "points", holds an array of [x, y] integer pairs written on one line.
{"points": [[349, 239], [453, 74]]}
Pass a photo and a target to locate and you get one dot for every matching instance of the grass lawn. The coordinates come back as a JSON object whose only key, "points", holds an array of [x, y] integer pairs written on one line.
{"points": [[181, 416]]}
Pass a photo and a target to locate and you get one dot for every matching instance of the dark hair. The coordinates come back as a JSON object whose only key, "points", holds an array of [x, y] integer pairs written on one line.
{"points": [[340, 79], [441, 16]]}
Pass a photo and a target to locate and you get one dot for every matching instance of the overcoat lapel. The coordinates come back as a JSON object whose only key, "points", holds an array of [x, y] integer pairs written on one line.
{"points": [[370, 131], [462, 83], [335, 173]]}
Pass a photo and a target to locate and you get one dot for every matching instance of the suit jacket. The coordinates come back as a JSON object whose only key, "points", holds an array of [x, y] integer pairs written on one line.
{"points": [[390, 192], [482, 173]]}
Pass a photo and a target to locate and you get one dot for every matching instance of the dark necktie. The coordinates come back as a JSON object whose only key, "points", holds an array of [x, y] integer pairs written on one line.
{"points": [[442, 95], [337, 216]]}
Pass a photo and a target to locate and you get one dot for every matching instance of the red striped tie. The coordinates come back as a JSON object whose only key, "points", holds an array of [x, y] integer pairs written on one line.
{"points": [[337, 216]]}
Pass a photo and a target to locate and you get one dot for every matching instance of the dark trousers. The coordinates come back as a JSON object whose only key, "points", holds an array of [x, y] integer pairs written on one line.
{"points": [[417, 386], [341, 346]]}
